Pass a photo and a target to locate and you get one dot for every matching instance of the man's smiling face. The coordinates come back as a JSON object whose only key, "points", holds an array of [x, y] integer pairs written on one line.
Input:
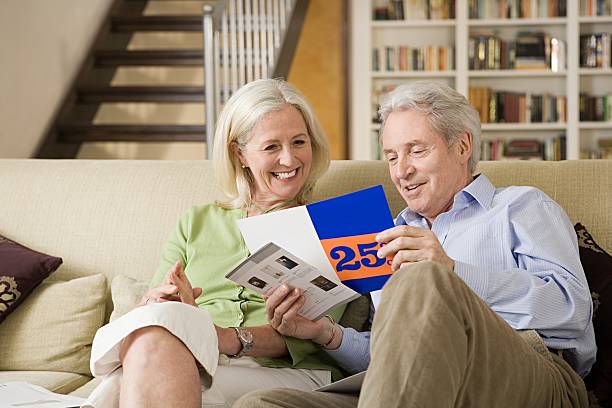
{"points": [[425, 170]]}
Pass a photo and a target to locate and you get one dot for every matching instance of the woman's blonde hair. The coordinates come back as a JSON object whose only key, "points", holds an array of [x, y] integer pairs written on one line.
{"points": [[239, 116]]}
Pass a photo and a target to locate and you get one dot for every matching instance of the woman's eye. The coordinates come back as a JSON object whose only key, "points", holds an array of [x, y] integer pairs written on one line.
{"points": [[270, 148]]}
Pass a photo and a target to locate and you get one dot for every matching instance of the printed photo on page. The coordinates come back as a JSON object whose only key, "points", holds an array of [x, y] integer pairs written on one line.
{"points": [[271, 266]]}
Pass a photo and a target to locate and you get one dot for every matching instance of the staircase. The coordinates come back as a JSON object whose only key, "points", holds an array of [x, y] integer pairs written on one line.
{"points": [[143, 79]]}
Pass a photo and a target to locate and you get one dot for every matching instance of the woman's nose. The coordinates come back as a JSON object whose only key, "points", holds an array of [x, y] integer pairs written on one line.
{"points": [[286, 156]]}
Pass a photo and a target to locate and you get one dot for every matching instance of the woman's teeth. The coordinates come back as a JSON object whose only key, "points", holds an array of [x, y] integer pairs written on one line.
{"points": [[283, 176]]}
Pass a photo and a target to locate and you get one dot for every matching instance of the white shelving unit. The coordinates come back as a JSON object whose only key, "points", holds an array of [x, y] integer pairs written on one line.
{"points": [[367, 33]]}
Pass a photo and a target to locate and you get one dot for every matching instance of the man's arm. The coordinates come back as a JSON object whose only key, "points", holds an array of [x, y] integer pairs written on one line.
{"points": [[547, 290]]}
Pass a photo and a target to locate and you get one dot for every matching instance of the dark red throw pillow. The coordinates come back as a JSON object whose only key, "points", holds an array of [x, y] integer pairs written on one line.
{"points": [[597, 265], [21, 270]]}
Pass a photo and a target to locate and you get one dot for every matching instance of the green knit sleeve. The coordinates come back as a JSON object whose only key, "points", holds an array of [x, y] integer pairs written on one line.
{"points": [[175, 248]]}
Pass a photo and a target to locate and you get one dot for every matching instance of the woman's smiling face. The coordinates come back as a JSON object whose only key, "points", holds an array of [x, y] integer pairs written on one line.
{"points": [[278, 155]]}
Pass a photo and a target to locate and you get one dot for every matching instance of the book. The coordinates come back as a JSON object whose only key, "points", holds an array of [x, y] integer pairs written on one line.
{"points": [[335, 236], [271, 266]]}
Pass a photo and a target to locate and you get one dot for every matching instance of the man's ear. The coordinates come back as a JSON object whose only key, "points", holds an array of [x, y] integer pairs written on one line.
{"points": [[464, 146]]}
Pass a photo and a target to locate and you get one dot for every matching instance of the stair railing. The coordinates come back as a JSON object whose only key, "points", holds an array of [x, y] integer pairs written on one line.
{"points": [[245, 40]]}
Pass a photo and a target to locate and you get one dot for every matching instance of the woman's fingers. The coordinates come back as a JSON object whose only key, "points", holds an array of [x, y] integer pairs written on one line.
{"points": [[278, 314]]}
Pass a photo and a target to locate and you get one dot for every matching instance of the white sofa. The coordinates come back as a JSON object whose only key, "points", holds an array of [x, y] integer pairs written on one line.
{"points": [[111, 218]]}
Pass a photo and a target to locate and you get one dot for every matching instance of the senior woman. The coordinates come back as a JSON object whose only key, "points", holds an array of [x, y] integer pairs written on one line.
{"points": [[269, 151]]}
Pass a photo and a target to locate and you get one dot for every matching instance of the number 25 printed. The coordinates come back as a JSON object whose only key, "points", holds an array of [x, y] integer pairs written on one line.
{"points": [[351, 255]]}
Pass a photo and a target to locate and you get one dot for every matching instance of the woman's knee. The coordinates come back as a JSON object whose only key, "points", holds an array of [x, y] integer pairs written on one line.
{"points": [[150, 341]]}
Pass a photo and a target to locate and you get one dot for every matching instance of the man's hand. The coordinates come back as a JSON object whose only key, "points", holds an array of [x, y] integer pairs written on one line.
{"points": [[408, 245], [282, 308]]}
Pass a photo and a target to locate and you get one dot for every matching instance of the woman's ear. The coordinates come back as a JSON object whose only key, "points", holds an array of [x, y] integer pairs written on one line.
{"points": [[235, 149]]}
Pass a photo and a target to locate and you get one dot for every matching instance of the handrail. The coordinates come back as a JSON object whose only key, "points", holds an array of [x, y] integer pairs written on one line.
{"points": [[245, 40]]}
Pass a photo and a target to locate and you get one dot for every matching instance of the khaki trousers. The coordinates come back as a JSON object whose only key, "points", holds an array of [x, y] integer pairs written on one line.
{"points": [[435, 343]]}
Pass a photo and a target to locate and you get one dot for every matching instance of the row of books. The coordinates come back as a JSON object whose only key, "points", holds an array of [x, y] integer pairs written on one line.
{"points": [[413, 9], [595, 50], [553, 148], [517, 107], [595, 108], [404, 58], [530, 50], [517, 8], [595, 7]]}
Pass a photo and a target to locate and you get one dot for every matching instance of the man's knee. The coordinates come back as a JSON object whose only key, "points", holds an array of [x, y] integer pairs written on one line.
{"points": [[422, 274]]}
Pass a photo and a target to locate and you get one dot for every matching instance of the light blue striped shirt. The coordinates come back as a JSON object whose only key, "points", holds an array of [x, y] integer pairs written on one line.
{"points": [[516, 248]]}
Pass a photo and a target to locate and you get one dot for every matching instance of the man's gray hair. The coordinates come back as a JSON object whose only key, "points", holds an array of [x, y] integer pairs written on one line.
{"points": [[449, 113]]}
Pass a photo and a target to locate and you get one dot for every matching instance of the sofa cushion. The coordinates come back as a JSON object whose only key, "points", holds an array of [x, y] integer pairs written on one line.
{"points": [[54, 328], [126, 293], [21, 270], [54, 381], [597, 266]]}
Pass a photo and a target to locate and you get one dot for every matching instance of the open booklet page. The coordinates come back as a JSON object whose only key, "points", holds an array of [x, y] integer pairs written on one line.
{"points": [[271, 266], [25, 395]]}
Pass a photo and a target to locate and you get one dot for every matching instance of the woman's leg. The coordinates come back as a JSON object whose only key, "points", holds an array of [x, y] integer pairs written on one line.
{"points": [[236, 377], [158, 371]]}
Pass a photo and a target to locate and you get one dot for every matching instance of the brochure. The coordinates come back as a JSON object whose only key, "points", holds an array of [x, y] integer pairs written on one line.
{"points": [[271, 266], [22, 394], [335, 236]]}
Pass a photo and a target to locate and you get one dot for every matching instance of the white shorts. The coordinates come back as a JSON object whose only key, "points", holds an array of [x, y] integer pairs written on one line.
{"points": [[231, 378]]}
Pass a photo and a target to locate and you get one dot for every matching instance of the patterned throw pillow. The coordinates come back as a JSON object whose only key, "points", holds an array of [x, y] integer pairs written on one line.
{"points": [[21, 270], [597, 265]]}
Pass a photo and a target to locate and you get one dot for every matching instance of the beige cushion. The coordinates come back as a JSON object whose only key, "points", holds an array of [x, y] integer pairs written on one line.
{"points": [[126, 293], [85, 390], [53, 329], [54, 381]]}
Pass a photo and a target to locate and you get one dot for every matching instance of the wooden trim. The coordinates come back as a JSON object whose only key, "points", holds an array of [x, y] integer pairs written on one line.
{"points": [[292, 36]]}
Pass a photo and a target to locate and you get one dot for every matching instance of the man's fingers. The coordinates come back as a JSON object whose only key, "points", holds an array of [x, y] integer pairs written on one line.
{"points": [[404, 257], [399, 231], [392, 248]]}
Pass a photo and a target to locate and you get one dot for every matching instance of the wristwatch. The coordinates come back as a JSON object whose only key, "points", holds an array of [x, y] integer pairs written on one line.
{"points": [[246, 339]]}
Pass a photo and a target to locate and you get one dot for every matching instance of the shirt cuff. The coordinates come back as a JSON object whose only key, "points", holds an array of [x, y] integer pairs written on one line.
{"points": [[474, 277], [353, 355]]}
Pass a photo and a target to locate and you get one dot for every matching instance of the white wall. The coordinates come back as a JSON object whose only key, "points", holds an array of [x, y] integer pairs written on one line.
{"points": [[42, 44]]}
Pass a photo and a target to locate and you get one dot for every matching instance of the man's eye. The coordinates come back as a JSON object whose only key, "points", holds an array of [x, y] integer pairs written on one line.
{"points": [[391, 159]]}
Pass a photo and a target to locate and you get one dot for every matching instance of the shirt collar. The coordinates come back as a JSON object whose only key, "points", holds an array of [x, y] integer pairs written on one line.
{"points": [[480, 190]]}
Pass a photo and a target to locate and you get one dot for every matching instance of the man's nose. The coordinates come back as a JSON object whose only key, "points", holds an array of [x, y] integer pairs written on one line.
{"points": [[404, 168]]}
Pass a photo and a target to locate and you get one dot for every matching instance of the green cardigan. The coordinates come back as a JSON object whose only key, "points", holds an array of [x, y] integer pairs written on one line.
{"points": [[208, 242]]}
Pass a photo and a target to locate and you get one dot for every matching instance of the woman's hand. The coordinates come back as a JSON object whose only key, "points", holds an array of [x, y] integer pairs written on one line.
{"points": [[282, 308], [174, 288]]}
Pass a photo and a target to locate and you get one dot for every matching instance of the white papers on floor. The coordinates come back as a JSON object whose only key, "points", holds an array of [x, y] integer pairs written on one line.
{"points": [[25, 395]]}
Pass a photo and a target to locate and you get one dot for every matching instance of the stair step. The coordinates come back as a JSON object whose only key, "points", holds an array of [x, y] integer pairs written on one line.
{"points": [[149, 57], [157, 23], [85, 132], [141, 94]]}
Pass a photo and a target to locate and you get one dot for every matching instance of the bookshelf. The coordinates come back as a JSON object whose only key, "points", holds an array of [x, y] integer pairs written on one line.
{"points": [[568, 83]]}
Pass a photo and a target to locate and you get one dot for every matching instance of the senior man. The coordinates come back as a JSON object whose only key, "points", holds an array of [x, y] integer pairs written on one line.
{"points": [[488, 305]]}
